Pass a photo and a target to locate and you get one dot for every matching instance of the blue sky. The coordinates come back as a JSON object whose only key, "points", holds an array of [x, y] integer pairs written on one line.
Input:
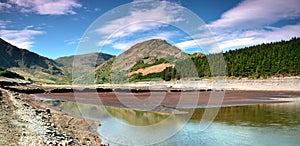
{"points": [[54, 28]]}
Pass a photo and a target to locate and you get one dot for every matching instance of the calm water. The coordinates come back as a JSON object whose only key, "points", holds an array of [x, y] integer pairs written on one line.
{"points": [[272, 124]]}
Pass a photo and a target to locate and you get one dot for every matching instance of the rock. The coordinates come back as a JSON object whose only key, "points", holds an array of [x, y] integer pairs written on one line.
{"points": [[49, 131], [70, 142], [48, 111], [49, 142], [25, 104], [37, 112]]}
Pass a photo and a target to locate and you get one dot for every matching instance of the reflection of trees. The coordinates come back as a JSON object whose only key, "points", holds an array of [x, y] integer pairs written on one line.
{"points": [[252, 115], [130, 116], [135, 117], [256, 115]]}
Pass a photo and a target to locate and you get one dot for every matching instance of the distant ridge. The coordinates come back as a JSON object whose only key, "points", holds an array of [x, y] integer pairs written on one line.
{"points": [[260, 61], [78, 65], [90, 59], [11, 56], [150, 52], [31, 66]]}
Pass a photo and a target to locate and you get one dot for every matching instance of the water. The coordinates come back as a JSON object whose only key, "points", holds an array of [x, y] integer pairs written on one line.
{"points": [[266, 124]]}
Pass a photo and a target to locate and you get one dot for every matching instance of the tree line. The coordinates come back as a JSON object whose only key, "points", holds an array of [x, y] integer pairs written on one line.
{"points": [[259, 61]]}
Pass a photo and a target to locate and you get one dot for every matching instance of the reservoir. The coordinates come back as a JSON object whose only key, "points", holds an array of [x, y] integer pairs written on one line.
{"points": [[255, 124]]}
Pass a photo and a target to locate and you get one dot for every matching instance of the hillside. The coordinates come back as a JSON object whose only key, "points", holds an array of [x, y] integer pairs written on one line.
{"points": [[30, 65], [151, 59], [152, 69], [141, 55], [11, 56], [91, 59], [149, 52], [260, 61], [9, 74], [83, 64]]}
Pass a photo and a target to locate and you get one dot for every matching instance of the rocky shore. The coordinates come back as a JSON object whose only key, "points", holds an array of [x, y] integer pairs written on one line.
{"points": [[24, 121]]}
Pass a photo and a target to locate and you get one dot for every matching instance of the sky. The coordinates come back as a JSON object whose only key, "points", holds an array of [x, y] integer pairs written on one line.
{"points": [[55, 28]]}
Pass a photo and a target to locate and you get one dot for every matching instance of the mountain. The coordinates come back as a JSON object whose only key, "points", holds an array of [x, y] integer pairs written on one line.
{"points": [[12, 56], [9, 74], [91, 59], [149, 52], [43, 70], [141, 55], [259, 61], [83, 64], [30, 65], [141, 60]]}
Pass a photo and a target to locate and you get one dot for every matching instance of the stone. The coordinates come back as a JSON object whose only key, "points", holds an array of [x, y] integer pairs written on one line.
{"points": [[48, 111]]}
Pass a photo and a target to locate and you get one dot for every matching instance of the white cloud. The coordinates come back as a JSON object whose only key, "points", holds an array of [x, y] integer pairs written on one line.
{"points": [[72, 41], [238, 39], [47, 7], [186, 44], [97, 9], [254, 13], [251, 22], [4, 6], [139, 23], [198, 43], [104, 42], [20, 38], [141, 19], [3, 24], [123, 46], [165, 35]]}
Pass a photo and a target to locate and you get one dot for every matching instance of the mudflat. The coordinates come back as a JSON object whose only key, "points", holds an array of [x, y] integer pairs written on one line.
{"points": [[174, 99]]}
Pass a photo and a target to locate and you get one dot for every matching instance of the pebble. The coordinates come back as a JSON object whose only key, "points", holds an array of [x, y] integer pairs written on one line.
{"points": [[42, 126]]}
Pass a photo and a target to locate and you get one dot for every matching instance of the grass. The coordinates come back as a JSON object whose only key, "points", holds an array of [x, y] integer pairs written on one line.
{"points": [[9, 74]]}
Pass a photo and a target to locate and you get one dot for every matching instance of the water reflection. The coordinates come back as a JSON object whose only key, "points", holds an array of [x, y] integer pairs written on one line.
{"points": [[271, 124]]}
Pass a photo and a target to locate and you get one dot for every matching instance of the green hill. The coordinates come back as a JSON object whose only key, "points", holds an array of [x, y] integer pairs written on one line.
{"points": [[31, 65], [141, 55], [260, 61], [9, 74]]}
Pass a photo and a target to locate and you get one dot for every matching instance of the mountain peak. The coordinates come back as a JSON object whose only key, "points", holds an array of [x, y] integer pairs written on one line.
{"points": [[27, 63], [149, 51]]}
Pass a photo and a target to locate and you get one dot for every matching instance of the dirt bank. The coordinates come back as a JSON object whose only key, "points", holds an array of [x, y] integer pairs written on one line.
{"points": [[172, 99], [27, 122]]}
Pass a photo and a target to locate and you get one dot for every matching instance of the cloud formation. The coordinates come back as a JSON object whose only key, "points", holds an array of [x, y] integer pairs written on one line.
{"points": [[20, 38], [47, 7], [3, 24], [140, 18], [238, 39], [252, 22], [254, 13], [4, 6]]}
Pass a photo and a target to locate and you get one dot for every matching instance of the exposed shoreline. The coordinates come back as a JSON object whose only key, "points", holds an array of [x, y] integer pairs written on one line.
{"points": [[34, 123], [270, 84], [167, 100]]}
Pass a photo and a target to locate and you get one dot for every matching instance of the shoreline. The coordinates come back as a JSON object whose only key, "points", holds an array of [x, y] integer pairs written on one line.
{"points": [[163, 100], [34, 123], [270, 84]]}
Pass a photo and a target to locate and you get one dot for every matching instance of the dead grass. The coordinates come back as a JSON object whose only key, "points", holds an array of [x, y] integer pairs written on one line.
{"points": [[153, 69]]}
